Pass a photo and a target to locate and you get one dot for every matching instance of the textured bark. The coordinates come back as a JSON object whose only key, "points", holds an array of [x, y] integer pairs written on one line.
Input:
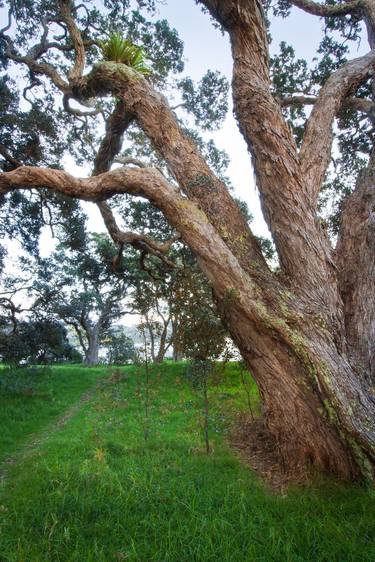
{"points": [[155, 117], [305, 255], [356, 264]]}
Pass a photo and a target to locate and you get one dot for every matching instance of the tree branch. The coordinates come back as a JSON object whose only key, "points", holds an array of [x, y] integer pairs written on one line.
{"points": [[182, 214], [138, 241], [45, 69], [328, 10], [158, 121], [80, 55], [303, 252], [78, 112], [359, 104], [118, 122], [315, 153]]}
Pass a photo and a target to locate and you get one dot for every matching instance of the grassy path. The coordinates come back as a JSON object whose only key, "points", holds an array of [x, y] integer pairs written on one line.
{"points": [[37, 440], [32, 399]]}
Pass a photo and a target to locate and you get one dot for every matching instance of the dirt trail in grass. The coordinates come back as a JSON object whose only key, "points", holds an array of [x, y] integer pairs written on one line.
{"points": [[39, 438]]}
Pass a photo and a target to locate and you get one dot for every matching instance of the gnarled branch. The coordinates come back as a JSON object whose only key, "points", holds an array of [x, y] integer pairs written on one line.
{"points": [[79, 48], [315, 152]]}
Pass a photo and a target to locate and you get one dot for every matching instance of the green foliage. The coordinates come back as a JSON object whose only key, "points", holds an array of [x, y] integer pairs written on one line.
{"points": [[208, 100], [120, 348], [36, 341], [200, 335], [118, 49], [353, 134]]}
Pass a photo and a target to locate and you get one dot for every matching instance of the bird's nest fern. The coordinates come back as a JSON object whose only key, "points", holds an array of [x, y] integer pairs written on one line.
{"points": [[118, 49]]}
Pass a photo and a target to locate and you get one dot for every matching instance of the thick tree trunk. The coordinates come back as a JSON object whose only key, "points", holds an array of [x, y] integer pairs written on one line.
{"points": [[294, 329]]}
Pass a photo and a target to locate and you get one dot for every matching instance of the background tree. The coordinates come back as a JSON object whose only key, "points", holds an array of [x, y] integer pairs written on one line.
{"points": [[81, 289], [306, 331], [36, 342]]}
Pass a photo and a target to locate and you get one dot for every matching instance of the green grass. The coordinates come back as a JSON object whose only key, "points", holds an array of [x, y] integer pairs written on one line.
{"points": [[96, 491], [38, 399]]}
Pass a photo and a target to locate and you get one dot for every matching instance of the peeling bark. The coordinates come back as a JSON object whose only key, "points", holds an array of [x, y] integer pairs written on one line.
{"points": [[356, 264]]}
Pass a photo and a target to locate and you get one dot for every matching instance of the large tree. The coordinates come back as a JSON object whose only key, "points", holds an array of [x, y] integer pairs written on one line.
{"points": [[306, 332]]}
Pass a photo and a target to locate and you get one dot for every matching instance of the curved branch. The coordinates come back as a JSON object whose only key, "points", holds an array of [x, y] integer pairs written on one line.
{"points": [[359, 104], [45, 69], [80, 55], [116, 125], [78, 112], [154, 116], [138, 241], [315, 152], [182, 214], [327, 10], [125, 160]]}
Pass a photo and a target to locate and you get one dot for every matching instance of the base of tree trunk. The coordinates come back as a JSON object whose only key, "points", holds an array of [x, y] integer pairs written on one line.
{"points": [[258, 449]]}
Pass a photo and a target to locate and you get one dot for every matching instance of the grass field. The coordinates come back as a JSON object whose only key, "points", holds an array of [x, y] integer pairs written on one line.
{"points": [[96, 490]]}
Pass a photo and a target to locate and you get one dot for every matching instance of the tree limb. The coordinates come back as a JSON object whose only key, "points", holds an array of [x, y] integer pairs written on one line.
{"points": [[315, 153], [78, 112], [140, 242], [359, 104], [196, 230], [328, 10], [45, 69], [79, 48], [153, 114]]}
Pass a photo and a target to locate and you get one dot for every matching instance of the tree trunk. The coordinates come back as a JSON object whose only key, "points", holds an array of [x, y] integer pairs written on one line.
{"points": [[320, 412], [92, 352], [162, 344], [355, 253], [177, 354]]}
